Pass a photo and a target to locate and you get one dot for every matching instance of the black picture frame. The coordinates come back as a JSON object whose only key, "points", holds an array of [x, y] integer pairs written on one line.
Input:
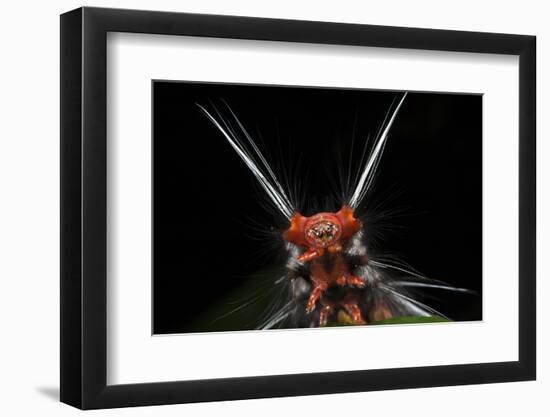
{"points": [[83, 207]]}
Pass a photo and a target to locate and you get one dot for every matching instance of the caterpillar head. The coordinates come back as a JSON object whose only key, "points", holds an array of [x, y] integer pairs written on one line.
{"points": [[322, 230]]}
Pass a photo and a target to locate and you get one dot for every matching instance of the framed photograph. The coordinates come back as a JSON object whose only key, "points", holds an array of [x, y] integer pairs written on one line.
{"points": [[258, 208]]}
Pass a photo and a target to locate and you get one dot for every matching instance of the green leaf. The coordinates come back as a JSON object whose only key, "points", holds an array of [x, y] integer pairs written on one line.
{"points": [[412, 320]]}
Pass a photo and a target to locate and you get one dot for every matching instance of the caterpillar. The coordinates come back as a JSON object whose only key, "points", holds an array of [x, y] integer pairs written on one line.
{"points": [[331, 278]]}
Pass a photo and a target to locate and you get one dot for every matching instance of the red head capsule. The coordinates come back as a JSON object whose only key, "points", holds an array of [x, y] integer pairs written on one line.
{"points": [[322, 230]]}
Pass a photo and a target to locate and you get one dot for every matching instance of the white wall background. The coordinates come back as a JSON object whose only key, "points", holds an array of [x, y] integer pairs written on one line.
{"points": [[29, 207]]}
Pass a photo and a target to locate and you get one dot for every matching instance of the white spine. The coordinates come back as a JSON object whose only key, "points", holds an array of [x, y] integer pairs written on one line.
{"points": [[370, 167]]}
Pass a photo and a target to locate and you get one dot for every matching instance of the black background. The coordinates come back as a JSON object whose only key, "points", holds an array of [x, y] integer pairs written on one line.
{"points": [[209, 212]]}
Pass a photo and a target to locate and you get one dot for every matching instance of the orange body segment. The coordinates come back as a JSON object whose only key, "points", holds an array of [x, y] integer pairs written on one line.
{"points": [[323, 236]]}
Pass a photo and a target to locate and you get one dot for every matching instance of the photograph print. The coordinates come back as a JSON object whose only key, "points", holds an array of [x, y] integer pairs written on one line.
{"points": [[289, 207]]}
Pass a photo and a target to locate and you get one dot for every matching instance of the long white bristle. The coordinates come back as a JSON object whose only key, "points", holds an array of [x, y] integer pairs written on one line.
{"points": [[370, 167], [274, 191]]}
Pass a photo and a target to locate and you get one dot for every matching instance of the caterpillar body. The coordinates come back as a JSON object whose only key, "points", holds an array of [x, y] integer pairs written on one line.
{"points": [[331, 278]]}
